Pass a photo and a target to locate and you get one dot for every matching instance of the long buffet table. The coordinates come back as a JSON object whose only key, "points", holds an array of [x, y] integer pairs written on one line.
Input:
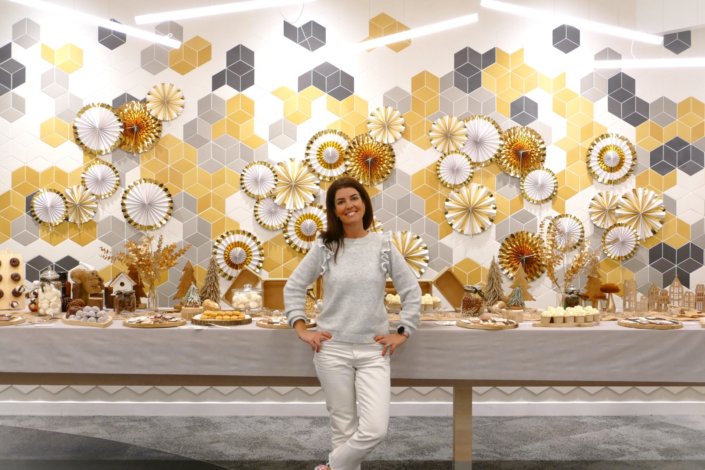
{"points": [[436, 356]]}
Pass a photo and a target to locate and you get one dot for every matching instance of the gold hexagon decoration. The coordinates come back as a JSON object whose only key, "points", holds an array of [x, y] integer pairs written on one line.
{"points": [[523, 150]]}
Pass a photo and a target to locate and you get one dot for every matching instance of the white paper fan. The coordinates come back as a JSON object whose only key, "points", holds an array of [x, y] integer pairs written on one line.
{"points": [[97, 129], [100, 178], [539, 186], [165, 102], [471, 209], [147, 204], [258, 179], [237, 249], [48, 207], [269, 214], [620, 242], [303, 226], [413, 249], [325, 153], [385, 125], [81, 204], [484, 139], [454, 169]]}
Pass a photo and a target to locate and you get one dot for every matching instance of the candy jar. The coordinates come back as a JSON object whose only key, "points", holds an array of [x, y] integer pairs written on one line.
{"points": [[49, 295], [473, 302]]}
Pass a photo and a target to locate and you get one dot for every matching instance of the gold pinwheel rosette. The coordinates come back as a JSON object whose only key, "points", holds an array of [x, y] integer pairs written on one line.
{"points": [[237, 249], [297, 186], [100, 178], [385, 125], [620, 242], [643, 210], [97, 129], [413, 249], [448, 134], [454, 169], [484, 141], [48, 207], [81, 204], [303, 226], [611, 158], [147, 204], [471, 209], [522, 249], [369, 161], [269, 214], [258, 179], [523, 150], [325, 153], [539, 186], [569, 232], [603, 209], [165, 101], [141, 130]]}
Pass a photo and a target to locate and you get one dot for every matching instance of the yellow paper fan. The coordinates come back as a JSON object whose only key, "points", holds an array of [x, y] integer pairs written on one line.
{"points": [[385, 125], [141, 130], [522, 248], [523, 150], [165, 102], [81, 204], [643, 210], [369, 161], [603, 209], [296, 185], [413, 249], [448, 134], [471, 209]]}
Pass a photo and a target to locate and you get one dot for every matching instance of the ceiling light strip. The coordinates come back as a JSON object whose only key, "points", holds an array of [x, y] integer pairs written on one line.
{"points": [[650, 63], [418, 32], [547, 15], [214, 10]]}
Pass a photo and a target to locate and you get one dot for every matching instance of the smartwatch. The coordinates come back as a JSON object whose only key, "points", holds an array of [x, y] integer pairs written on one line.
{"points": [[402, 331]]}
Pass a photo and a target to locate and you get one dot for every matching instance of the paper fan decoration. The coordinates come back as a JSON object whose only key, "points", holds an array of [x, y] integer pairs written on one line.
{"points": [[258, 179], [448, 134], [522, 248], [385, 125], [100, 179], [369, 161], [539, 186], [643, 210], [80, 203], [147, 204], [48, 207], [523, 151], [570, 232], [611, 158], [165, 102], [376, 225], [296, 185], [471, 209], [413, 249], [269, 214], [237, 249], [303, 226], [97, 129], [484, 139], [325, 153], [620, 242], [141, 129], [603, 209], [454, 169]]}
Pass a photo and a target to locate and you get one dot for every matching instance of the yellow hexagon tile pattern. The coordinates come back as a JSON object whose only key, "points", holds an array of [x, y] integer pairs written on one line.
{"points": [[469, 272], [425, 99], [297, 106], [613, 272], [656, 182], [384, 25], [68, 57], [54, 132], [192, 53], [417, 129]]}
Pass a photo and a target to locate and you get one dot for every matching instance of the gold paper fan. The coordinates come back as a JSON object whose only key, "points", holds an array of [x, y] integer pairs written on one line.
{"points": [[539, 186], [237, 249], [413, 249], [296, 185], [141, 129], [484, 139], [258, 179], [385, 125], [303, 226], [376, 225], [570, 233], [165, 102], [100, 178], [454, 169], [269, 214], [643, 210], [523, 150], [448, 134], [147, 204], [620, 242], [325, 153], [611, 158], [369, 161], [81, 204], [603, 209], [522, 248], [471, 209], [48, 207], [97, 129]]}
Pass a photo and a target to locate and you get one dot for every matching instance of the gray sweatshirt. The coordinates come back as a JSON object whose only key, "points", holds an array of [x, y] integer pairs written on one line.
{"points": [[353, 286]]}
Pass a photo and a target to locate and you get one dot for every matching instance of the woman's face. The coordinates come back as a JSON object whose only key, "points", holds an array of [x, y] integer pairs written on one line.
{"points": [[349, 206]]}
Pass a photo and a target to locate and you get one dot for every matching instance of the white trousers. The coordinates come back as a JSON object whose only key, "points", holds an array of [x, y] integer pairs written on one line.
{"points": [[354, 373]]}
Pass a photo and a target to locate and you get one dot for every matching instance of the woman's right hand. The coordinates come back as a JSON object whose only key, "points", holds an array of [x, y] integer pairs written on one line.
{"points": [[312, 338]]}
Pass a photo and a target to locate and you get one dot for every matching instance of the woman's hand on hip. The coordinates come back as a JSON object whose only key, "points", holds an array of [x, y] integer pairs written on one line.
{"points": [[314, 338], [390, 342]]}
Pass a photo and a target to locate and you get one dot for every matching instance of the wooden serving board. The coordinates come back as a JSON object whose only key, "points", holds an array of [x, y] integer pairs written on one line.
{"points": [[702, 323], [105, 324], [280, 326], [484, 326], [171, 324], [567, 325], [196, 320], [15, 321], [640, 326], [687, 318]]}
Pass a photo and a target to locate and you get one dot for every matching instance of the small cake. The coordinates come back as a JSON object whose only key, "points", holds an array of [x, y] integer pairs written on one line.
{"points": [[429, 303], [393, 302]]}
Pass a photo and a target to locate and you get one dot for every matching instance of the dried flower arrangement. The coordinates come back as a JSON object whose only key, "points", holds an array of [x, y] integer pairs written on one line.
{"points": [[554, 256]]}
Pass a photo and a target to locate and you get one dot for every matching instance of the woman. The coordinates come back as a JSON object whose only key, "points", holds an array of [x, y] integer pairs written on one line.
{"points": [[353, 344]]}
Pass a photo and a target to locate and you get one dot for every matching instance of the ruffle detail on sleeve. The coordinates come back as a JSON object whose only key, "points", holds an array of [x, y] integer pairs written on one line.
{"points": [[326, 252], [386, 253]]}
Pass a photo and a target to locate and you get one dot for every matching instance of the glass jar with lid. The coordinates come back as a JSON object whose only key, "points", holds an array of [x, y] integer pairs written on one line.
{"points": [[247, 300], [473, 303]]}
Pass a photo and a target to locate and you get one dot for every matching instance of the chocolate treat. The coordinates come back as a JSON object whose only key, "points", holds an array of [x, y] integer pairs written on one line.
{"points": [[16, 277], [14, 304], [0, 277], [2, 294], [74, 306], [14, 262], [18, 291]]}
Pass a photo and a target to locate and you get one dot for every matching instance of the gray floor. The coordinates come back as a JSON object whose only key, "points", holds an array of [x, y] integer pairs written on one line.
{"points": [[663, 442]]}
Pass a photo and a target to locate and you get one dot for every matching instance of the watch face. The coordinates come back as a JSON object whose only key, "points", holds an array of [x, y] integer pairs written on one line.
{"points": [[400, 330]]}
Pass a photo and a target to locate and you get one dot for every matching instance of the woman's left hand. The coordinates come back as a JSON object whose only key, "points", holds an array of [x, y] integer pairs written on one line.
{"points": [[390, 342]]}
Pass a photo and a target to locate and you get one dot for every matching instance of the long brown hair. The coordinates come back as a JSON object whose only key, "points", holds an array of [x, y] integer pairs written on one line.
{"points": [[334, 236]]}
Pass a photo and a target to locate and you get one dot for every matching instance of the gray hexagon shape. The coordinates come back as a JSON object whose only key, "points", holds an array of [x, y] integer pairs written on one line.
{"points": [[67, 106], [621, 87], [467, 55], [66, 264], [310, 35], [689, 159], [566, 38], [25, 33], [282, 133], [239, 53], [677, 42], [663, 158], [481, 101], [230, 145], [155, 58], [508, 186], [453, 102], [467, 78], [12, 106], [593, 86], [398, 99], [170, 29], [663, 111], [24, 230], [124, 162], [206, 160], [197, 228], [635, 111], [446, 81], [607, 54], [345, 88], [197, 132], [185, 206], [12, 74], [211, 108], [55, 82], [122, 99], [524, 110], [241, 80], [110, 38]]}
